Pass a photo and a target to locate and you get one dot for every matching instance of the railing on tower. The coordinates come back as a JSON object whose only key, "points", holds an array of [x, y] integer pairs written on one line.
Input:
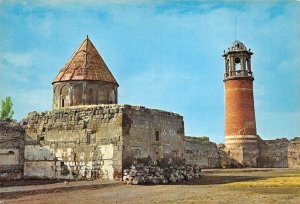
{"points": [[238, 73]]}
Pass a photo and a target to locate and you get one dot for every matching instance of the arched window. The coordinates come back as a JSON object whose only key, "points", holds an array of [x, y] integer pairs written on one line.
{"points": [[237, 64], [227, 67], [64, 96]]}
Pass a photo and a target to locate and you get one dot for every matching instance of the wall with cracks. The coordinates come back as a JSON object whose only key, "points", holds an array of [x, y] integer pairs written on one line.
{"points": [[11, 150], [98, 141]]}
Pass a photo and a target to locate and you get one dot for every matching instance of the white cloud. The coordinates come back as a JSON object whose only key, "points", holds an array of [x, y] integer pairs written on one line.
{"points": [[19, 59]]}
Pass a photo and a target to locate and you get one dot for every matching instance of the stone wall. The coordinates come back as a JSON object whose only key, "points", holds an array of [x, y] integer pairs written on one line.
{"points": [[152, 135], [200, 151], [11, 150], [280, 153], [75, 143], [245, 153], [274, 153], [226, 160], [97, 141], [294, 153]]}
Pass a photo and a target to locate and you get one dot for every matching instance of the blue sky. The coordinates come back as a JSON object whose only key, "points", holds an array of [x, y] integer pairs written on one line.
{"points": [[164, 54]]}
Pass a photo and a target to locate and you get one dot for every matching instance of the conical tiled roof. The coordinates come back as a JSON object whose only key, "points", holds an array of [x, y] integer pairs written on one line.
{"points": [[85, 64]]}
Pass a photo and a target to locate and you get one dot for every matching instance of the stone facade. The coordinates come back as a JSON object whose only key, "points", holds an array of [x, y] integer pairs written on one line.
{"points": [[294, 153], [100, 141], [75, 93], [200, 151], [245, 153], [226, 160], [93, 142], [278, 153], [11, 150]]}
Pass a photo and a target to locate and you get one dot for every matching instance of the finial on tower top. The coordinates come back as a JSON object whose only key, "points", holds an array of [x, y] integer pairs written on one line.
{"points": [[87, 36], [235, 27]]}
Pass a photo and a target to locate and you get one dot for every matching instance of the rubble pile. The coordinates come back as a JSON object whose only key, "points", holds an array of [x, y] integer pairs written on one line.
{"points": [[144, 174]]}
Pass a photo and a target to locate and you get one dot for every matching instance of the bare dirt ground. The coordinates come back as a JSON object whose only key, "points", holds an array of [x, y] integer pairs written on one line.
{"points": [[215, 186]]}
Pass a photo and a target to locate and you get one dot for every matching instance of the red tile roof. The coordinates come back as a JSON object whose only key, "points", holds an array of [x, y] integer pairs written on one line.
{"points": [[85, 64]]}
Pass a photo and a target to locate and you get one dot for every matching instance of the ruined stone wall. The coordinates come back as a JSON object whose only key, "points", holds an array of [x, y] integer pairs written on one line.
{"points": [[91, 142], [274, 153], [75, 143], [11, 150], [294, 153], [200, 151], [152, 135]]}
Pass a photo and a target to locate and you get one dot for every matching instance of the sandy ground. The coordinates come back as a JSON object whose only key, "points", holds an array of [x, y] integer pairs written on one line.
{"points": [[215, 186]]}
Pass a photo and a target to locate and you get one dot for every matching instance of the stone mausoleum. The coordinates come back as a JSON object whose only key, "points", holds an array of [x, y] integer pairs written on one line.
{"points": [[84, 80], [88, 135]]}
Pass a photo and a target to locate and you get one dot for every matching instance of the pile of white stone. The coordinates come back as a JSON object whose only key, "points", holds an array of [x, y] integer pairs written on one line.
{"points": [[143, 174]]}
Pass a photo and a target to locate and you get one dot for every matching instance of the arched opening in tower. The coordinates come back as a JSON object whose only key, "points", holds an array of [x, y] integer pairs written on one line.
{"points": [[237, 63]]}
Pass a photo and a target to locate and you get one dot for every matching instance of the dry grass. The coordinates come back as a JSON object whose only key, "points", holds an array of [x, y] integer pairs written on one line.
{"points": [[221, 186], [288, 180]]}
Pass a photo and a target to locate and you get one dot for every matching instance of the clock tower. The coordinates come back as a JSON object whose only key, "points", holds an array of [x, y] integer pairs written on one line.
{"points": [[240, 127]]}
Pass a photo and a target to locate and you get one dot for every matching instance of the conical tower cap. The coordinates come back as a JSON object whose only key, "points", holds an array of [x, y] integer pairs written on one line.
{"points": [[85, 64]]}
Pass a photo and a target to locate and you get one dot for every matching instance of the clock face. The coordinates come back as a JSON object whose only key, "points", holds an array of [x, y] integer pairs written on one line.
{"points": [[237, 60]]}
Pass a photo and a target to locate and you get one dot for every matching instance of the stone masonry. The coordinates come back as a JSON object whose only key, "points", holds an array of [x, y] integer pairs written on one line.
{"points": [[200, 151], [278, 153], [294, 153], [77, 144], [11, 150], [98, 141]]}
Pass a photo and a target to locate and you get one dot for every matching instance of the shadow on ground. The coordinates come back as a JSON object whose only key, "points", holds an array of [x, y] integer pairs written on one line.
{"points": [[28, 182], [216, 179]]}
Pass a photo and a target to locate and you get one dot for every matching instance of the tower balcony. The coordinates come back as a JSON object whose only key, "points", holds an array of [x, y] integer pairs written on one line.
{"points": [[238, 73]]}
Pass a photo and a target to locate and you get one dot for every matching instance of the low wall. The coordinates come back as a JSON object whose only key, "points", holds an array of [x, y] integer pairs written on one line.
{"points": [[200, 151], [278, 153], [294, 153], [11, 150], [274, 153]]}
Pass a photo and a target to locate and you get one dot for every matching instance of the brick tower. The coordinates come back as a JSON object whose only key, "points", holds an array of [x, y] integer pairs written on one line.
{"points": [[240, 129]]}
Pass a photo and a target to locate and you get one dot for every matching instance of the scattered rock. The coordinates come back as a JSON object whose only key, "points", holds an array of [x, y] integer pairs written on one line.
{"points": [[143, 174]]}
